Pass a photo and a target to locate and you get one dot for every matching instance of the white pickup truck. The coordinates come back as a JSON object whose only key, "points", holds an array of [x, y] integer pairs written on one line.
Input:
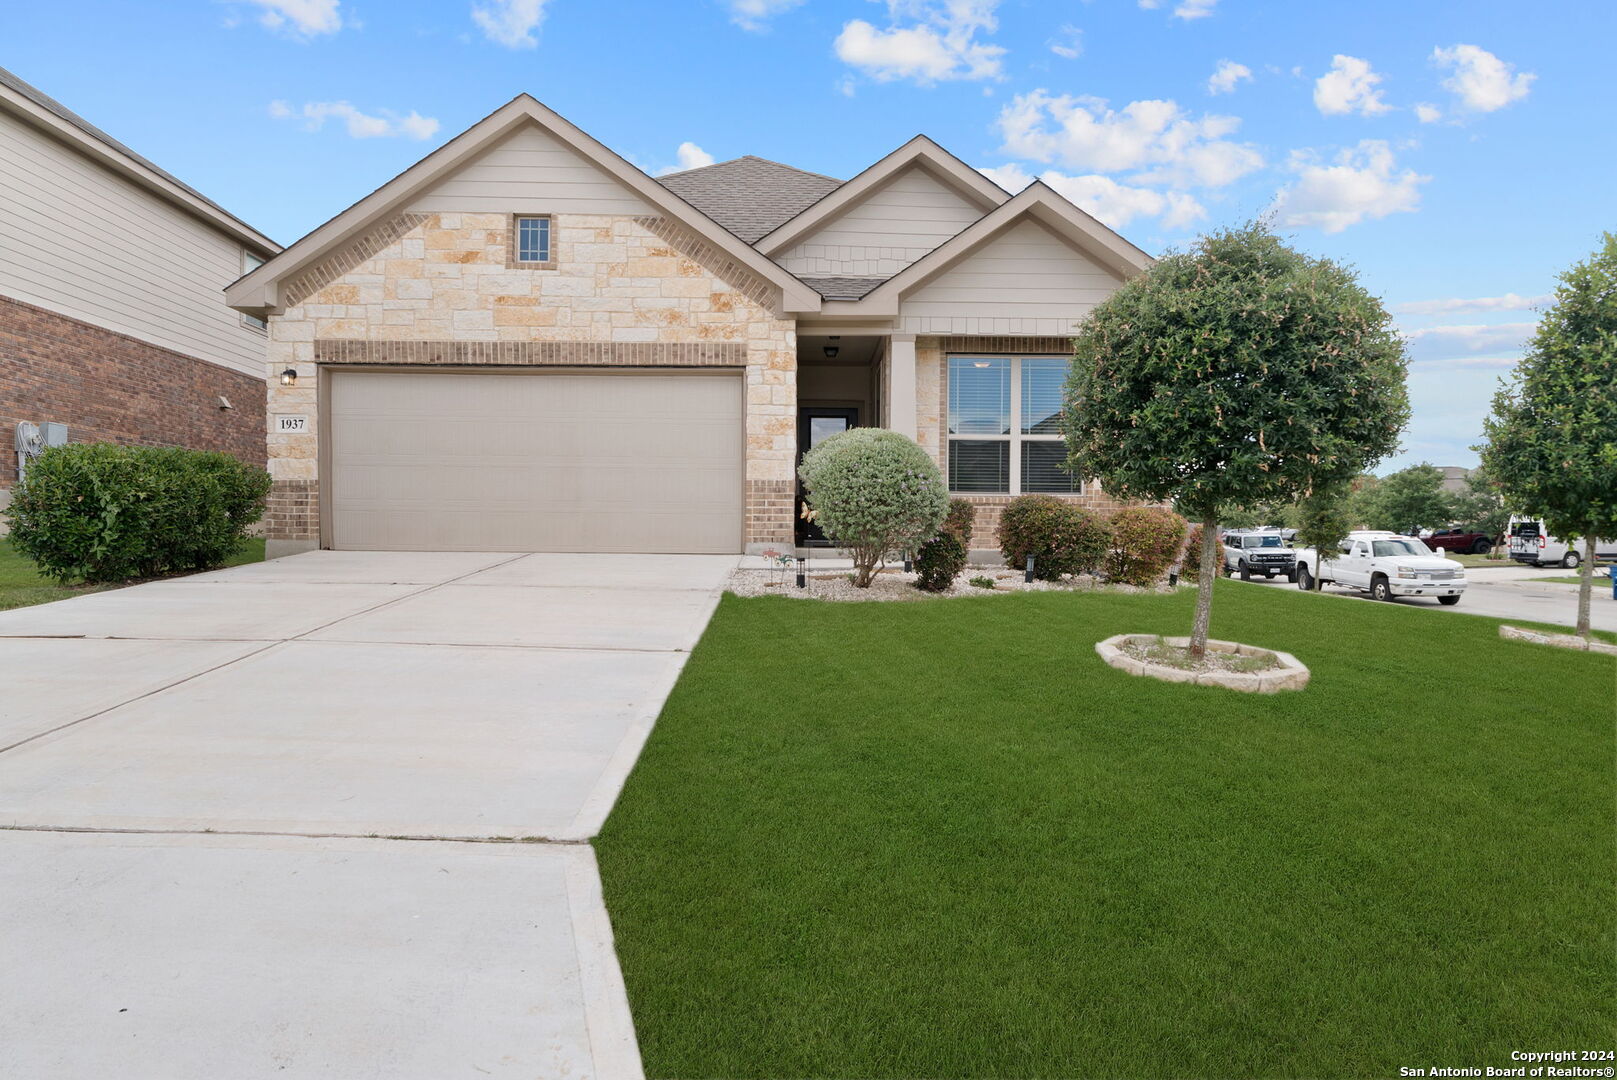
{"points": [[1386, 565]]}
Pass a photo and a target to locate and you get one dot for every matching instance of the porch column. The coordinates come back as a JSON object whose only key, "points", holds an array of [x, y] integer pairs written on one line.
{"points": [[901, 384]]}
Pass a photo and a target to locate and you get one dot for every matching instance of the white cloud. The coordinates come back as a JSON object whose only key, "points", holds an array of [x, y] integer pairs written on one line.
{"points": [[1452, 305], [1185, 9], [1349, 87], [1364, 182], [1070, 45], [1113, 203], [510, 22], [940, 44], [754, 15], [1226, 76], [359, 125], [1428, 113], [1084, 133], [690, 156], [1481, 80], [300, 18], [1469, 342]]}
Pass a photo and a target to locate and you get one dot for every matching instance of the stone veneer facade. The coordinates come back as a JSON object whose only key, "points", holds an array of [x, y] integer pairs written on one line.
{"points": [[931, 405], [436, 289]]}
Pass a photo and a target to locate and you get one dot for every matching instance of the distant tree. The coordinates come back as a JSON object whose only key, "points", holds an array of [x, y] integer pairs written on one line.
{"points": [[1552, 438], [1408, 500], [1481, 507], [1241, 372], [1323, 522]]}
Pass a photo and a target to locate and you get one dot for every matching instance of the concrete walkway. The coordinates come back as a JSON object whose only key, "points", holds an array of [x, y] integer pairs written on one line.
{"points": [[245, 816]]}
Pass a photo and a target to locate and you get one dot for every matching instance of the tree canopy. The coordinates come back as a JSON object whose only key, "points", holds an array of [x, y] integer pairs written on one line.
{"points": [[1238, 373]]}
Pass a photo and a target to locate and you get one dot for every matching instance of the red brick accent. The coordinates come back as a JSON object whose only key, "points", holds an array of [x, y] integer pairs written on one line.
{"points": [[292, 511], [109, 387], [771, 510]]}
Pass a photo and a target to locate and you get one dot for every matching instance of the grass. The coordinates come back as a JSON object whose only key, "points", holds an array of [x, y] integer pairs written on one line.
{"points": [[1479, 560], [944, 840], [22, 586]]}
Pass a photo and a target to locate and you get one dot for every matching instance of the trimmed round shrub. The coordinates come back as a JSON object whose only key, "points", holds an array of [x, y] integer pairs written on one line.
{"points": [[874, 492], [1146, 540], [99, 512], [1062, 538], [939, 561]]}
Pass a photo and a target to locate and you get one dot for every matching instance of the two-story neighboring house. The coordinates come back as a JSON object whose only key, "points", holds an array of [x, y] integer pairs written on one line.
{"points": [[112, 312], [525, 343]]}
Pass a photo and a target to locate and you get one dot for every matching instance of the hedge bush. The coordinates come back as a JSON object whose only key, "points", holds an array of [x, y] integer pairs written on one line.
{"points": [[1062, 538], [874, 492], [939, 561], [1146, 540], [98, 512]]}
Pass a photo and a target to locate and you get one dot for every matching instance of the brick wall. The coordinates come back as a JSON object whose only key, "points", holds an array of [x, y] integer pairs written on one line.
{"points": [[108, 387]]}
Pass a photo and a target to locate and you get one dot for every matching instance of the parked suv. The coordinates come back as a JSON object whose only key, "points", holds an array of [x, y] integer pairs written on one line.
{"points": [[1266, 553], [1467, 542]]}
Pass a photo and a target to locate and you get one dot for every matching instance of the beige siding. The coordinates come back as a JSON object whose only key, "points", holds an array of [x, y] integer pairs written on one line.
{"points": [[531, 172], [633, 462], [1027, 280], [77, 239], [886, 231]]}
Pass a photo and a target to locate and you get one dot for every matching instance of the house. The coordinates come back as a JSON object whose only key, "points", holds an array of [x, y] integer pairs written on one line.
{"points": [[112, 272], [525, 343]]}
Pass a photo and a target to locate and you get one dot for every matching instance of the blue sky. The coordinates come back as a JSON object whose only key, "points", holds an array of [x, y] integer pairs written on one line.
{"points": [[1454, 152]]}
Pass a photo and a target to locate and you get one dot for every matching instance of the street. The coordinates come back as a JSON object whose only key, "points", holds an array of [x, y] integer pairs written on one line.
{"points": [[1511, 592]]}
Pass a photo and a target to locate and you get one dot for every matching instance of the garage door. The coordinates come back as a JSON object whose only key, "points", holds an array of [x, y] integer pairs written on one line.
{"points": [[451, 461]]}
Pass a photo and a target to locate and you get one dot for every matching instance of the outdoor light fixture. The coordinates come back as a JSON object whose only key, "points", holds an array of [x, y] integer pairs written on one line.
{"points": [[289, 377], [1027, 575], [831, 352], [802, 573]]}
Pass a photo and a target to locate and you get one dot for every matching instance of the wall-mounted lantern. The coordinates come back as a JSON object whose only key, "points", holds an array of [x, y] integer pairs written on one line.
{"points": [[289, 377]]}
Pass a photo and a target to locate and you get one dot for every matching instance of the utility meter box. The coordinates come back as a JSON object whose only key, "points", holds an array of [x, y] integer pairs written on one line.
{"points": [[53, 434]]}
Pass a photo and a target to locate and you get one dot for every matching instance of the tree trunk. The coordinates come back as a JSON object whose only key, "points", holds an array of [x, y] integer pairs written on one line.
{"points": [[1204, 586], [1586, 586]]}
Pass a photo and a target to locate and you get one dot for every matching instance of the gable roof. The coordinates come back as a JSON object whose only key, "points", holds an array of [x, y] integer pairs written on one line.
{"points": [[259, 290], [1038, 201], [46, 113], [919, 152], [750, 195]]}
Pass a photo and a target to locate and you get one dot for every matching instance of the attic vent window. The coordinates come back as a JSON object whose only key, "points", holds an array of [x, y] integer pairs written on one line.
{"points": [[532, 240]]}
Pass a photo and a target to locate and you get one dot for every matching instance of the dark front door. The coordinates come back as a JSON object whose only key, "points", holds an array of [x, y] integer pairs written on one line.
{"points": [[815, 424]]}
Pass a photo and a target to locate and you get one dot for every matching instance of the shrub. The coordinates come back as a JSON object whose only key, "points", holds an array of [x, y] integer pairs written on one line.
{"points": [[100, 512], [939, 561], [1062, 538], [1146, 540], [874, 492], [982, 582]]}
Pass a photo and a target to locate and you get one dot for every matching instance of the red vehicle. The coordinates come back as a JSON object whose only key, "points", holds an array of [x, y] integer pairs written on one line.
{"points": [[1466, 543]]}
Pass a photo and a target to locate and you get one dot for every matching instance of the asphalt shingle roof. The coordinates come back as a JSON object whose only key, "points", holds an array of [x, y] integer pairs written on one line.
{"points": [[750, 196], [842, 288]]}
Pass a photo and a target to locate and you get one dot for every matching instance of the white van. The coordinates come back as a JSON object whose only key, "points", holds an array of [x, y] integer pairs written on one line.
{"points": [[1531, 543]]}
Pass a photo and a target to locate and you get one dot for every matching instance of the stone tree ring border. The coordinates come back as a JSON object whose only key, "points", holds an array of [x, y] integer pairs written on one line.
{"points": [[1290, 674]]}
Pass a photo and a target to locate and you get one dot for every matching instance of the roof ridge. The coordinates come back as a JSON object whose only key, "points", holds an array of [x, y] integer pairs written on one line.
{"points": [[750, 157]]}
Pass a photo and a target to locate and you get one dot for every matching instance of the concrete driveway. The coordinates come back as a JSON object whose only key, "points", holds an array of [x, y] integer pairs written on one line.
{"points": [[246, 817]]}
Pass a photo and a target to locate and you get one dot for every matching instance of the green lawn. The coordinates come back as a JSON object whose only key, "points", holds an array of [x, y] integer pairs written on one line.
{"points": [[942, 839], [21, 585]]}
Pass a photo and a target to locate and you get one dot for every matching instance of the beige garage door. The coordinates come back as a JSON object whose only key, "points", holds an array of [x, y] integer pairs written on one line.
{"points": [[448, 461]]}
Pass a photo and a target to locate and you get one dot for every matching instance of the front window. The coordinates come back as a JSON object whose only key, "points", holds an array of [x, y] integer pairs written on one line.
{"points": [[532, 240], [1004, 425]]}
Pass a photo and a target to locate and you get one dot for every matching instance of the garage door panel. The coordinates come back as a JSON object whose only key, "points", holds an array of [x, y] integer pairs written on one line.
{"points": [[537, 462]]}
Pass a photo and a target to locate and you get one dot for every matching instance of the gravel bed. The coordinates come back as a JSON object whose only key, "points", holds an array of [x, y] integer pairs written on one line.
{"points": [[1174, 656], [894, 584]]}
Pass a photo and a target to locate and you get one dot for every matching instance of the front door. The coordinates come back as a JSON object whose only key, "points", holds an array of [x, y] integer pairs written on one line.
{"points": [[815, 424]]}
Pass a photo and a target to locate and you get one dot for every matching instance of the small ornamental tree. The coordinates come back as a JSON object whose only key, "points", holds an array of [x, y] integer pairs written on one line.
{"points": [[1323, 522], [874, 492], [1552, 438], [1408, 500], [1237, 373]]}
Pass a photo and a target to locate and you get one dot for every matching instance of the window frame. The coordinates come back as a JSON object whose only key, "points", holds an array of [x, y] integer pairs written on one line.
{"points": [[249, 263], [1016, 436], [513, 230]]}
